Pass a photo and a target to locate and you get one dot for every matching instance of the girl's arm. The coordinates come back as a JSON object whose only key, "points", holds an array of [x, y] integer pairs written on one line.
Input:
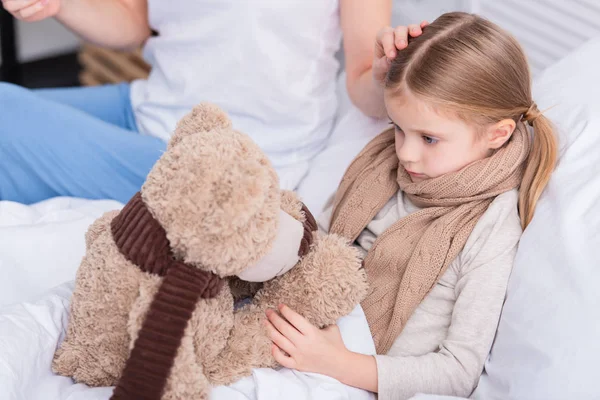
{"points": [[453, 369], [369, 44], [455, 366]]}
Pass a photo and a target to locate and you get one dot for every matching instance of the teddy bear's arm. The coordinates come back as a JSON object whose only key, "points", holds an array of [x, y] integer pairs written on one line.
{"points": [[99, 226], [248, 347], [326, 285]]}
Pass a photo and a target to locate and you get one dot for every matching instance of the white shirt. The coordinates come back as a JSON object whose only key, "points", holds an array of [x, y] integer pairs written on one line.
{"points": [[270, 64]]}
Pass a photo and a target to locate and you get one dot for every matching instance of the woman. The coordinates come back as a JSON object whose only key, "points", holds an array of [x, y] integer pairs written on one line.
{"points": [[271, 65]]}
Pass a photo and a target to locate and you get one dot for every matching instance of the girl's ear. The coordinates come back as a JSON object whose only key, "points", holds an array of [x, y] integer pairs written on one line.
{"points": [[499, 133]]}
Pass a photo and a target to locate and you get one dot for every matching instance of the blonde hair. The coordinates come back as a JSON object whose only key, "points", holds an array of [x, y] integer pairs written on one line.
{"points": [[466, 64]]}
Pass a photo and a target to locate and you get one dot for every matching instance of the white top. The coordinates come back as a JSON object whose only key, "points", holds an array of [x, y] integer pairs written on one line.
{"points": [[445, 343], [270, 64]]}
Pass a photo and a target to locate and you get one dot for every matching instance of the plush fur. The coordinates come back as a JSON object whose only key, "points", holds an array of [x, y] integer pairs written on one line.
{"points": [[291, 204], [217, 197], [326, 285], [222, 203]]}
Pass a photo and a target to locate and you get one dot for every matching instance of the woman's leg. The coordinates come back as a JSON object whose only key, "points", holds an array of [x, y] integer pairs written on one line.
{"points": [[48, 148], [110, 103]]}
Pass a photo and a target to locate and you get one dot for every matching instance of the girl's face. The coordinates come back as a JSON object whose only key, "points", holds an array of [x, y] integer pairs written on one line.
{"points": [[430, 143]]}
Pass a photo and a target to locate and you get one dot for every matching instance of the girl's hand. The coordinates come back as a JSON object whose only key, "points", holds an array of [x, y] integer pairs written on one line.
{"points": [[32, 10], [299, 345], [387, 44]]}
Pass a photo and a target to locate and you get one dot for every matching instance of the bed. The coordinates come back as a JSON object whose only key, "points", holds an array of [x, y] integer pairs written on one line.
{"points": [[546, 346]]}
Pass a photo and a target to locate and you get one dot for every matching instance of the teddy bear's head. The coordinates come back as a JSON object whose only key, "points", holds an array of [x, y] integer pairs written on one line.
{"points": [[215, 193]]}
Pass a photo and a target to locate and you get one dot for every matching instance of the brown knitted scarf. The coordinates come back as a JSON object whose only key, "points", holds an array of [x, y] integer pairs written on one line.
{"points": [[143, 241], [406, 261]]}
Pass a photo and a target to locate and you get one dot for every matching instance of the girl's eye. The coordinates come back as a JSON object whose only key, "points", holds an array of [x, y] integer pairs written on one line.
{"points": [[430, 140]]}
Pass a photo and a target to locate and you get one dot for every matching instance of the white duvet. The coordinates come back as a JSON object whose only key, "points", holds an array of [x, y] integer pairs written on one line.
{"points": [[40, 250]]}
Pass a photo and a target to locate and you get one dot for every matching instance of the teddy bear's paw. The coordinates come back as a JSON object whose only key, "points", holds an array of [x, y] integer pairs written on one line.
{"points": [[326, 285], [65, 362], [231, 369], [248, 347], [94, 377], [222, 376], [81, 366]]}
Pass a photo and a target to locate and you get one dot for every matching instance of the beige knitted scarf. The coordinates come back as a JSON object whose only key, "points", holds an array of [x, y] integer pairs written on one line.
{"points": [[406, 261]]}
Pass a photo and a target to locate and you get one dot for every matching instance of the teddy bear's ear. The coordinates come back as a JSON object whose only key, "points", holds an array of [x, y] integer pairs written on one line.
{"points": [[203, 118]]}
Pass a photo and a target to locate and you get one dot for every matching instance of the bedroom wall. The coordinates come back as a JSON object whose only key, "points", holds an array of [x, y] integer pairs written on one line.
{"points": [[43, 39]]}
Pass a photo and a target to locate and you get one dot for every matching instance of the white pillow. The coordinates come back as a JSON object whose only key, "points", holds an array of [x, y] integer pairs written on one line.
{"points": [[548, 341]]}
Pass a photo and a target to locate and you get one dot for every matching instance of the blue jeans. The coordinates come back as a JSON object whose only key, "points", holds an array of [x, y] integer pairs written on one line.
{"points": [[80, 142]]}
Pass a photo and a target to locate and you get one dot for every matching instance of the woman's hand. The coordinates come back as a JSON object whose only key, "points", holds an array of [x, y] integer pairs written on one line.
{"points": [[32, 10], [387, 44], [299, 345]]}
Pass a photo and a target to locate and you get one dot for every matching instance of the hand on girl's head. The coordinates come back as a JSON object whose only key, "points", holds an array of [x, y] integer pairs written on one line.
{"points": [[387, 44], [32, 10]]}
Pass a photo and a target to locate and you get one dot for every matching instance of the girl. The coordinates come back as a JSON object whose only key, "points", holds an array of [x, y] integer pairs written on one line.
{"points": [[270, 64], [433, 203]]}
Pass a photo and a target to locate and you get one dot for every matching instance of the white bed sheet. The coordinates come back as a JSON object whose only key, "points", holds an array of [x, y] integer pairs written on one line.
{"points": [[40, 251], [30, 332]]}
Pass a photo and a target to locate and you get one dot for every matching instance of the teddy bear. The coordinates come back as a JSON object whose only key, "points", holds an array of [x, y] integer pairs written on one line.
{"points": [[153, 309]]}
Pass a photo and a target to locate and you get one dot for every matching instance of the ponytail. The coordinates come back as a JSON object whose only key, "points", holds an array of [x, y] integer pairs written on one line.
{"points": [[540, 165]]}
